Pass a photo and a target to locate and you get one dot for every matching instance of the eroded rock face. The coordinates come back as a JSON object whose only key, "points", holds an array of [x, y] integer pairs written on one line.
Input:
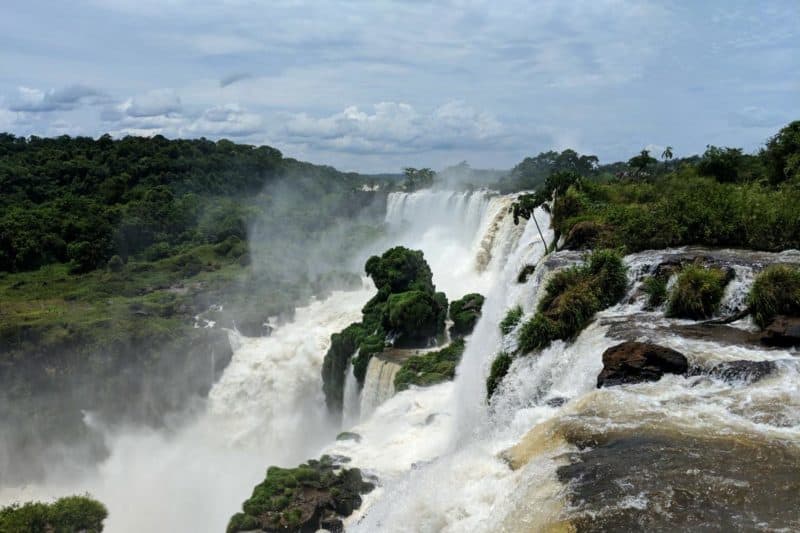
{"points": [[782, 331], [743, 371], [636, 362]]}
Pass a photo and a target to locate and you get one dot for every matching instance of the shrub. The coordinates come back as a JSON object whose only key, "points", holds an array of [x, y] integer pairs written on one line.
{"points": [[399, 270], [656, 289], [510, 321], [500, 367], [69, 514], [115, 264], [465, 313], [776, 291], [430, 368], [537, 333], [697, 292], [279, 502], [572, 297], [413, 314]]}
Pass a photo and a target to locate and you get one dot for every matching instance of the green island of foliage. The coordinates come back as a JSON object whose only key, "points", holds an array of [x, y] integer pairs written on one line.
{"points": [[406, 308], [697, 292], [465, 314], [655, 287], [572, 297], [70, 514], [775, 291], [430, 368], [312, 496]]}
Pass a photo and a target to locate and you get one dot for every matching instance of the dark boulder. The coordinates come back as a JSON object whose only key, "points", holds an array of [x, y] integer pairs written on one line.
{"points": [[782, 331], [742, 371], [635, 362]]}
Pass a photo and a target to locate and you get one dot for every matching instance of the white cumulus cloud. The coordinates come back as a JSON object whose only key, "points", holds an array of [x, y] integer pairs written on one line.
{"points": [[394, 127]]}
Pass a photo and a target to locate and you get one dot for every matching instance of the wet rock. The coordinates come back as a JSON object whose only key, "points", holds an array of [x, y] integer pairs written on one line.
{"points": [[742, 371], [558, 401], [253, 327], [525, 273], [635, 362], [782, 331], [332, 523]]}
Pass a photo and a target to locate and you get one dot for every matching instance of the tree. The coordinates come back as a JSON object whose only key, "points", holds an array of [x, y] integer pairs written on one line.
{"points": [[417, 179], [722, 164], [781, 156], [666, 155], [642, 161]]}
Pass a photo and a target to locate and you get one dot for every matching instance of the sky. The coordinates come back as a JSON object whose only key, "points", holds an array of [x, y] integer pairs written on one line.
{"points": [[378, 85]]}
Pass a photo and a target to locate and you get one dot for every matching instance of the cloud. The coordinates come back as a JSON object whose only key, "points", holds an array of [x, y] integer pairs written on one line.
{"points": [[394, 127], [227, 120], [153, 103], [31, 100], [233, 78]]}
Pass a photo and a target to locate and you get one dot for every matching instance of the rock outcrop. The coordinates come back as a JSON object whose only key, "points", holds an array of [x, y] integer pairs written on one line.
{"points": [[636, 362], [782, 331], [742, 371], [305, 499]]}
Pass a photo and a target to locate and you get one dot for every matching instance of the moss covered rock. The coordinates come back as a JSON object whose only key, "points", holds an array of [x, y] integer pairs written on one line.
{"points": [[407, 309], [430, 368], [465, 314], [302, 498]]}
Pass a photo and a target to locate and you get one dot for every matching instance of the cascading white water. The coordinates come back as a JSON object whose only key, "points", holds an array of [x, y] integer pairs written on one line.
{"points": [[378, 384], [437, 450], [267, 408], [466, 238], [469, 488], [351, 408]]}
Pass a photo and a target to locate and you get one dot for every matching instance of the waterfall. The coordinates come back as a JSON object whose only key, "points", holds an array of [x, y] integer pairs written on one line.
{"points": [[466, 238], [351, 410], [448, 461], [378, 384], [461, 481]]}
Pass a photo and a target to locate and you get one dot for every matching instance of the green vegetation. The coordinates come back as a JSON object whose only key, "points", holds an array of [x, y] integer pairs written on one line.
{"points": [[510, 321], [725, 198], [571, 299], [533, 172], [71, 514], [406, 309], [656, 289], [500, 367], [430, 368], [298, 499], [776, 291], [697, 292], [525, 273], [108, 249], [465, 314]]}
